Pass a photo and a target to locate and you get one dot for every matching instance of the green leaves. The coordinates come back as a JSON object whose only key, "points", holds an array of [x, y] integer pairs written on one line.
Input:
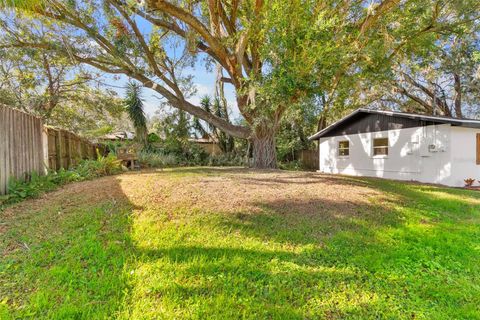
{"points": [[27, 5], [134, 107]]}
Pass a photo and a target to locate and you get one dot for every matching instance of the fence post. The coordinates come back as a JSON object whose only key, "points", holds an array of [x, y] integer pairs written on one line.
{"points": [[4, 165], [68, 147], [59, 149], [44, 140]]}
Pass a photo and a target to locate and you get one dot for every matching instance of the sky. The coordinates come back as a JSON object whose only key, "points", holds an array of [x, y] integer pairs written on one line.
{"points": [[203, 80], [205, 84]]}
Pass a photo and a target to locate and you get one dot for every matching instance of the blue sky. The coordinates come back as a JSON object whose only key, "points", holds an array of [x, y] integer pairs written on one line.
{"points": [[204, 82]]}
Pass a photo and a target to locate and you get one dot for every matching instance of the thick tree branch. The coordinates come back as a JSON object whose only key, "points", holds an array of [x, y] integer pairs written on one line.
{"points": [[231, 129], [172, 26], [186, 17], [371, 19], [458, 96], [148, 53], [226, 80], [428, 108], [428, 92]]}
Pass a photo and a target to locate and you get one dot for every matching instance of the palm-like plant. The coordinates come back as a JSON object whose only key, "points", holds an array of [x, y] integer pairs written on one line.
{"points": [[225, 141], [134, 107]]}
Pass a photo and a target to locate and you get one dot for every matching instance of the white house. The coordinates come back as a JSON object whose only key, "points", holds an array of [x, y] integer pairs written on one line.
{"points": [[403, 146]]}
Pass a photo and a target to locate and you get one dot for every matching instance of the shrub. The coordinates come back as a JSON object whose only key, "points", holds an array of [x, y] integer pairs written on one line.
{"points": [[153, 137], [469, 182], [226, 159], [102, 166], [157, 159], [19, 189], [294, 165], [36, 184], [193, 154], [112, 146]]}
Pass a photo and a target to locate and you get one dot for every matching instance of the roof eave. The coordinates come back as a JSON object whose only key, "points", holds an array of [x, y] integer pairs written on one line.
{"points": [[453, 122], [320, 133]]}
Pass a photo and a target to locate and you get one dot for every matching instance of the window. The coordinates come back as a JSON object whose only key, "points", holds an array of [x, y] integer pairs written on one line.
{"points": [[380, 147], [343, 148]]}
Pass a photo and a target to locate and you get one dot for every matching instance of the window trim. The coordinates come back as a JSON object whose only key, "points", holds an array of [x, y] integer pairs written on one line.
{"points": [[347, 148], [381, 156]]}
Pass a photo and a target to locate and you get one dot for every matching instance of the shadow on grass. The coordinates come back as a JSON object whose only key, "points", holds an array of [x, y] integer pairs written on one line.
{"points": [[418, 245], [64, 254], [410, 252], [253, 283]]}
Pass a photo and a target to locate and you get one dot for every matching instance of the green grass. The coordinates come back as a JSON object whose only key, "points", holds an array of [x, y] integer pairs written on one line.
{"points": [[137, 252]]}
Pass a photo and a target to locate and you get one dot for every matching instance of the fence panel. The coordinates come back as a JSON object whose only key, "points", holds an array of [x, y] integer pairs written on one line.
{"points": [[27, 146], [21, 148], [66, 149], [52, 150], [308, 159]]}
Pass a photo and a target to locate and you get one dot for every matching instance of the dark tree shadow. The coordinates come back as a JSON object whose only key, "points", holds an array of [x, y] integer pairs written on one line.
{"points": [[412, 251], [64, 254]]}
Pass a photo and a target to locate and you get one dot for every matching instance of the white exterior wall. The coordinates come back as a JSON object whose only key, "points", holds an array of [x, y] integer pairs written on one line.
{"points": [[409, 156], [464, 155]]}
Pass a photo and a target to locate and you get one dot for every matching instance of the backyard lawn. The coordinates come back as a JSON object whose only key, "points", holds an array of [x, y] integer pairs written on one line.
{"points": [[211, 243]]}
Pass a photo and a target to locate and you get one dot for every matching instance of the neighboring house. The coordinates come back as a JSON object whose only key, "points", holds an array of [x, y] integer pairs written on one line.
{"points": [[209, 145], [119, 136], [403, 146]]}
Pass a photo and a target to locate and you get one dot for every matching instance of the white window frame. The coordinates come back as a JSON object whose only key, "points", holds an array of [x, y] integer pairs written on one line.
{"points": [[339, 148], [378, 147]]}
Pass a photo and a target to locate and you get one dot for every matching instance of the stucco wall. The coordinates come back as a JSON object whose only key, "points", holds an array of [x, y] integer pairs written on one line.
{"points": [[409, 158], [464, 146]]}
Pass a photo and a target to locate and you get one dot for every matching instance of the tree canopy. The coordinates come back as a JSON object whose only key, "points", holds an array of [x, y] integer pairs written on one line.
{"points": [[274, 53]]}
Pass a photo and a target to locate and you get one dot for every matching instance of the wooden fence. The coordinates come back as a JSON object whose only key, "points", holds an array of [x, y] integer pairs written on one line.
{"points": [[66, 149], [27, 146], [308, 159], [21, 148]]}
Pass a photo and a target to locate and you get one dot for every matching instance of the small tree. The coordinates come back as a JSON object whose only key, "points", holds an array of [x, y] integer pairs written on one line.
{"points": [[134, 107]]}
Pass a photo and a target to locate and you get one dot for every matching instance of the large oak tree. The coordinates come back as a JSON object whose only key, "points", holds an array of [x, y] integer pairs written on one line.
{"points": [[275, 53]]}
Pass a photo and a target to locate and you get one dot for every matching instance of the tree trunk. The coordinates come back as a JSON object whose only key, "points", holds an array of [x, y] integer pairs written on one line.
{"points": [[458, 96], [264, 152]]}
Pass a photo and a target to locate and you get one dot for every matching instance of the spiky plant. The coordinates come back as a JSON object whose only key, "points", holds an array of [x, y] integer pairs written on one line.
{"points": [[225, 141], [134, 107]]}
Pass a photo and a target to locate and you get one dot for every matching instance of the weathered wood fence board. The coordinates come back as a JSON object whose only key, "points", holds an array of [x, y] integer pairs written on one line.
{"points": [[66, 149], [27, 146], [308, 159], [21, 149]]}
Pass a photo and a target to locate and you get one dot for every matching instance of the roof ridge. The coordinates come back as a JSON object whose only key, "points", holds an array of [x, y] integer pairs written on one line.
{"points": [[418, 114], [473, 123]]}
